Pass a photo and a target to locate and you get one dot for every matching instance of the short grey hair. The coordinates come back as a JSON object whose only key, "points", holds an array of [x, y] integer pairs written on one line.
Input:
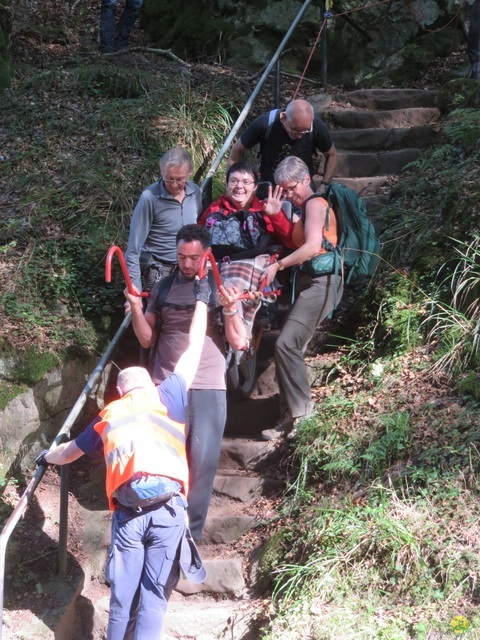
{"points": [[176, 157], [132, 378], [291, 168]]}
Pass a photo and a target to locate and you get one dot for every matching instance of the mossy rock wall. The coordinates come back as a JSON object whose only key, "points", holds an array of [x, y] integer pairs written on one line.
{"points": [[361, 47], [33, 418]]}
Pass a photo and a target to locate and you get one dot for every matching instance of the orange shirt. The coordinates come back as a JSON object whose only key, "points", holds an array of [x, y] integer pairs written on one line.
{"points": [[298, 233]]}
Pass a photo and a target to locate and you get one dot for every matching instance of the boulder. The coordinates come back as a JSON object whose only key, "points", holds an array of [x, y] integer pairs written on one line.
{"points": [[363, 46]]}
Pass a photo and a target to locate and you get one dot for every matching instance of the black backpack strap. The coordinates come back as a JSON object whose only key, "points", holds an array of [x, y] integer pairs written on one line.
{"points": [[167, 283], [165, 286]]}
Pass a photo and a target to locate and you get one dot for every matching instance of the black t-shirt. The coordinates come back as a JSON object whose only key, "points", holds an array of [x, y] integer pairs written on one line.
{"points": [[278, 144]]}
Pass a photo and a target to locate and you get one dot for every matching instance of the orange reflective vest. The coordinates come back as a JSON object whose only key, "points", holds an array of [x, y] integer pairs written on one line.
{"points": [[138, 436]]}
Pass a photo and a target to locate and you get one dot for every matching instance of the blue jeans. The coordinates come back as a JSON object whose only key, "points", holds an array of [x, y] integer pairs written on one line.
{"points": [[143, 568], [473, 41], [109, 38]]}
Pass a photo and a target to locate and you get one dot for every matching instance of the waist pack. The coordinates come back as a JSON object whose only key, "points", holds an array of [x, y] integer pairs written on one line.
{"points": [[144, 490], [322, 265], [238, 235]]}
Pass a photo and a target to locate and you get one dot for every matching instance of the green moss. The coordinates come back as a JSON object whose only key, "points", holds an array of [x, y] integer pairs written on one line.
{"points": [[419, 55], [271, 556], [460, 93], [33, 365], [188, 28], [9, 391], [6, 67], [49, 33], [469, 386], [114, 82]]}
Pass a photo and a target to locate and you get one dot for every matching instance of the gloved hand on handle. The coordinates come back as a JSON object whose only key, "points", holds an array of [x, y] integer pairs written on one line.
{"points": [[40, 459], [202, 289]]}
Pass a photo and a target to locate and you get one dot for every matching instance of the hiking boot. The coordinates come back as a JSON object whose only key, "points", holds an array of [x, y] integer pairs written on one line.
{"points": [[283, 427], [106, 48], [293, 433], [121, 44]]}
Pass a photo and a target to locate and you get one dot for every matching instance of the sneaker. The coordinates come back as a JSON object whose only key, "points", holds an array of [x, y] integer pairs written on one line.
{"points": [[283, 427]]}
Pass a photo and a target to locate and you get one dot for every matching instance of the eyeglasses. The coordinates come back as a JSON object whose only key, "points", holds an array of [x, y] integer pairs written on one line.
{"points": [[291, 189], [178, 181], [299, 131], [234, 182]]}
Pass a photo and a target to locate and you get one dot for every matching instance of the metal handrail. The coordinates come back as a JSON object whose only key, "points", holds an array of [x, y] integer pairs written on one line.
{"points": [[63, 434], [248, 105]]}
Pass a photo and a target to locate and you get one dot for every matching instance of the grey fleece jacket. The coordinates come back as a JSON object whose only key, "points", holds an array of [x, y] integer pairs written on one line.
{"points": [[155, 222]]}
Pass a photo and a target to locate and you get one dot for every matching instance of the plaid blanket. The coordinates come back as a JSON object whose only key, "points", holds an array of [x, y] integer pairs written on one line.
{"points": [[245, 275]]}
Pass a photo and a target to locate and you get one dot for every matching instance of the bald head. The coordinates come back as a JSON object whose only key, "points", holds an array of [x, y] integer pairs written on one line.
{"points": [[299, 109], [298, 118], [133, 378]]}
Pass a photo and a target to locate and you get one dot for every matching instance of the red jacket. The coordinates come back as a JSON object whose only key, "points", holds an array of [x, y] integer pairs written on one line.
{"points": [[278, 225]]}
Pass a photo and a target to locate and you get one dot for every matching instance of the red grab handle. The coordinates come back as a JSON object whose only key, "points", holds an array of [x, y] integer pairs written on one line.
{"points": [[108, 271], [201, 266]]}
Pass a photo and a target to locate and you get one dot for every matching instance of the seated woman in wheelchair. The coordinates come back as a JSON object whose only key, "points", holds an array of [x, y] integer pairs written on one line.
{"points": [[245, 249], [240, 195]]}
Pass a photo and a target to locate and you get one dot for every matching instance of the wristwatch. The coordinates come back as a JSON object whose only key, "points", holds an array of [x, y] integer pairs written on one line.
{"points": [[281, 266]]}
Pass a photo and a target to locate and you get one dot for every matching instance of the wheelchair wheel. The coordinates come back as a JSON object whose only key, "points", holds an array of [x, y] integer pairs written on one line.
{"points": [[242, 373]]}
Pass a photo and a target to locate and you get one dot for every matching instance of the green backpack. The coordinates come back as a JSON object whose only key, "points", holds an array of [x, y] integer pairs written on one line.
{"points": [[358, 247]]}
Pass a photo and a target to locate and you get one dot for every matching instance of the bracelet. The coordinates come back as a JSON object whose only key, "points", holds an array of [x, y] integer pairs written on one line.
{"points": [[229, 314]]}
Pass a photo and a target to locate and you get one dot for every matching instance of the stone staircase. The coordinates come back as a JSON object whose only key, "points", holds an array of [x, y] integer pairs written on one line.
{"points": [[223, 607], [377, 132]]}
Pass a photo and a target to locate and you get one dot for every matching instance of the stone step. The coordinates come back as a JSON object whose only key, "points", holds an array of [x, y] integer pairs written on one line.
{"points": [[395, 119], [229, 519], [244, 488], [198, 617], [227, 527], [388, 99], [223, 576], [386, 139], [251, 455], [360, 165], [366, 186]]}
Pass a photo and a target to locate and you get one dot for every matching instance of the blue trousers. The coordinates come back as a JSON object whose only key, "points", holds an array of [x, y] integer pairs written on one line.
{"points": [[143, 568], [109, 37], [205, 415], [473, 41]]}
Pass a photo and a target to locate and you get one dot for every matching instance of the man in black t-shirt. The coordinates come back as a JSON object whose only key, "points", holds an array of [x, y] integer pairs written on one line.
{"points": [[294, 131]]}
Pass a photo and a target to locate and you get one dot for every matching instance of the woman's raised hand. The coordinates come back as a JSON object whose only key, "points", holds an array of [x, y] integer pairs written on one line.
{"points": [[273, 203]]}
